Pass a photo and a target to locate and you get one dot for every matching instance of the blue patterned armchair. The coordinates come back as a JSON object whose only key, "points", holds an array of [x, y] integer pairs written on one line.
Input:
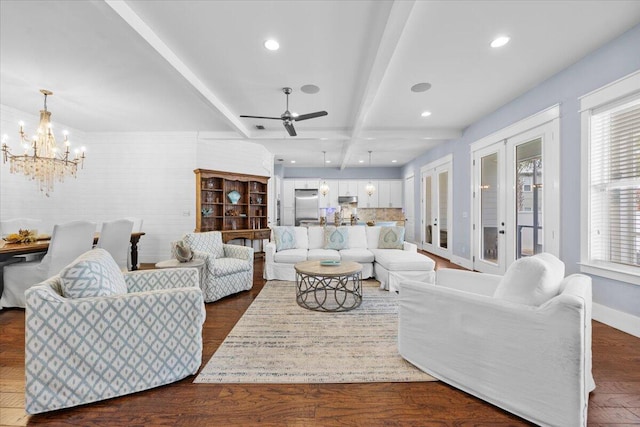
{"points": [[228, 268], [134, 334]]}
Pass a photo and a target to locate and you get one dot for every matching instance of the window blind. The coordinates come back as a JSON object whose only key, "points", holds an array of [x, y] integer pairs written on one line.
{"points": [[615, 183]]}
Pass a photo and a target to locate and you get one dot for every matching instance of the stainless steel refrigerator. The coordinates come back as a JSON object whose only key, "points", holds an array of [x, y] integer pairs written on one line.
{"points": [[306, 205]]}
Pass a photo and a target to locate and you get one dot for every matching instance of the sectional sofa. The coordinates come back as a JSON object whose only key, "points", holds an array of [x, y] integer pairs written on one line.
{"points": [[361, 244]]}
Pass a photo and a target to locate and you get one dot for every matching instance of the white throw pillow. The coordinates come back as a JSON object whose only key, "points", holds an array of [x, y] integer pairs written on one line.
{"points": [[531, 281], [93, 274]]}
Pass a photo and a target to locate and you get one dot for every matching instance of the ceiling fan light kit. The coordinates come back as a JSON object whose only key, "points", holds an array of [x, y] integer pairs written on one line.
{"points": [[288, 118]]}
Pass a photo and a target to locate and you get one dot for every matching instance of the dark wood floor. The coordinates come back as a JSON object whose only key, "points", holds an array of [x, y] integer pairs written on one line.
{"points": [[616, 401]]}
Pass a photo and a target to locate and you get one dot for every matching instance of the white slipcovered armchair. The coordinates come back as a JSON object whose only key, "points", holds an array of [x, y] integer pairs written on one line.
{"points": [[521, 342], [228, 269], [94, 333]]}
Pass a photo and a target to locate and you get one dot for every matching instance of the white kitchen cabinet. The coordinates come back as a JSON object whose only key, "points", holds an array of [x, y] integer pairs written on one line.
{"points": [[395, 194], [348, 188], [288, 217], [390, 194], [364, 200], [288, 193], [307, 184]]}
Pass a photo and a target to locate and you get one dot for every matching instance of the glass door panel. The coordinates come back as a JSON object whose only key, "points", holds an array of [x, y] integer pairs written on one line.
{"points": [[528, 200], [443, 208], [436, 214], [489, 208], [428, 217]]}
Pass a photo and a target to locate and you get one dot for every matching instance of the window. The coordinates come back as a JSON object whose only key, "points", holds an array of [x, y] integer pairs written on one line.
{"points": [[613, 187]]}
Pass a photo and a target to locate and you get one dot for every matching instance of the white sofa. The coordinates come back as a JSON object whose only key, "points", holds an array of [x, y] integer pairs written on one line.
{"points": [[521, 342], [389, 266]]}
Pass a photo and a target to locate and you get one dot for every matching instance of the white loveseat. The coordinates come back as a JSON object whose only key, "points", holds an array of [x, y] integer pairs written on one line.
{"points": [[521, 341], [388, 266]]}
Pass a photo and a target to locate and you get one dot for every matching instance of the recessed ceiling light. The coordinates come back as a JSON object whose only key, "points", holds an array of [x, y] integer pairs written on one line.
{"points": [[360, 161], [426, 113], [394, 161], [500, 41], [310, 89], [323, 139], [327, 161], [293, 161], [272, 44], [420, 87]]}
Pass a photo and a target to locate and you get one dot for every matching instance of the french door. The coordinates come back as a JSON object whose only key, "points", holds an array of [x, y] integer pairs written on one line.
{"points": [[515, 199], [436, 207], [409, 208]]}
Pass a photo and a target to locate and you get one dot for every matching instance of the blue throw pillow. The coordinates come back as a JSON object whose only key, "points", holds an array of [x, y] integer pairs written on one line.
{"points": [[336, 238], [285, 238], [391, 238]]}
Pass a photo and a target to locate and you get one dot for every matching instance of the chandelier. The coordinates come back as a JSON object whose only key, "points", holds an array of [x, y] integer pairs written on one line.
{"points": [[370, 188], [42, 160], [324, 187]]}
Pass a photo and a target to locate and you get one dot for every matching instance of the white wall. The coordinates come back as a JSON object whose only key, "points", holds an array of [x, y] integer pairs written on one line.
{"points": [[146, 175]]}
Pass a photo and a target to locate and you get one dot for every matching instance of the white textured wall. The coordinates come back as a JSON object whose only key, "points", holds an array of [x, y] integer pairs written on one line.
{"points": [[146, 175]]}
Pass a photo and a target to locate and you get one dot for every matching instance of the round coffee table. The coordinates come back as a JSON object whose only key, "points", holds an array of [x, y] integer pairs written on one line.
{"points": [[328, 288]]}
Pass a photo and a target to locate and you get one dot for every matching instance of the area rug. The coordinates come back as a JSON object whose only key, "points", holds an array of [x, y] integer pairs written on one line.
{"points": [[277, 341]]}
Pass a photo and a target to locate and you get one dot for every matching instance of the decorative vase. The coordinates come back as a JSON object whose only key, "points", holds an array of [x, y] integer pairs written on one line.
{"points": [[234, 196]]}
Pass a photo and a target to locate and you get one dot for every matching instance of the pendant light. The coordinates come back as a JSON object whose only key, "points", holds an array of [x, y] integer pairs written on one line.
{"points": [[324, 187], [370, 188]]}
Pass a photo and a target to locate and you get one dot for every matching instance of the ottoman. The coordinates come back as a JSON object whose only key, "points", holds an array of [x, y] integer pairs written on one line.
{"points": [[393, 265]]}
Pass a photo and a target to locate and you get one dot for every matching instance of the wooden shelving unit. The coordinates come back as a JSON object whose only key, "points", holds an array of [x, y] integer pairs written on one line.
{"points": [[216, 211]]}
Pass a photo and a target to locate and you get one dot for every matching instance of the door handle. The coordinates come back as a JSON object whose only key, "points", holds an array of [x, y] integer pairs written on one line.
{"points": [[501, 231]]}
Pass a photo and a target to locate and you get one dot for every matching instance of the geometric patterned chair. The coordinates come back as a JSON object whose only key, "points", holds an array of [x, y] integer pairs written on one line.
{"points": [[85, 349], [228, 268]]}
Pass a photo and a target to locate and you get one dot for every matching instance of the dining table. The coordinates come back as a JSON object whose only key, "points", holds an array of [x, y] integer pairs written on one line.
{"points": [[9, 250]]}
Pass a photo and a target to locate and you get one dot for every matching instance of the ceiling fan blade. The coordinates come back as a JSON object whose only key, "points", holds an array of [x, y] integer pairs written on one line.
{"points": [[310, 115], [261, 117], [289, 127]]}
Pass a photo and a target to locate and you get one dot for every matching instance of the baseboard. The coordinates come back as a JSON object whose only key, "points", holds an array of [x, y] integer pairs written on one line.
{"points": [[462, 262], [617, 319]]}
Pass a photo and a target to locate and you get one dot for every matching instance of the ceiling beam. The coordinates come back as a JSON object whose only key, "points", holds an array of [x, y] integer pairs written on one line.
{"points": [[396, 23], [138, 25]]}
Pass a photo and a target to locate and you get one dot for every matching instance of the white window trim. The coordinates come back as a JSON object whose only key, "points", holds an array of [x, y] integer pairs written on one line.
{"points": [[622, 88]]}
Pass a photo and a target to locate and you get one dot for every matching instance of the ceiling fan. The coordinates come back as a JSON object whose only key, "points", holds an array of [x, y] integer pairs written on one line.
{"points": [[288, 118]]}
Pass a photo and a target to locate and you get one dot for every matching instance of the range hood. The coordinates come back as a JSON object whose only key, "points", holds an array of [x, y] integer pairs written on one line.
{"points": [[346, 200]]}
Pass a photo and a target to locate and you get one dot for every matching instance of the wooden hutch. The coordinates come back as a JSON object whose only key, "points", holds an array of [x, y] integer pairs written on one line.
{"points": [[218, 210]]}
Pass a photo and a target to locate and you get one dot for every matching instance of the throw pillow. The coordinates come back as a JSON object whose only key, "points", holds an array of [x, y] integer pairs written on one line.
{"points": [[183, 252], [336, 238], [531, 281], [391, 238], [285, 238], [92, 274]]}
